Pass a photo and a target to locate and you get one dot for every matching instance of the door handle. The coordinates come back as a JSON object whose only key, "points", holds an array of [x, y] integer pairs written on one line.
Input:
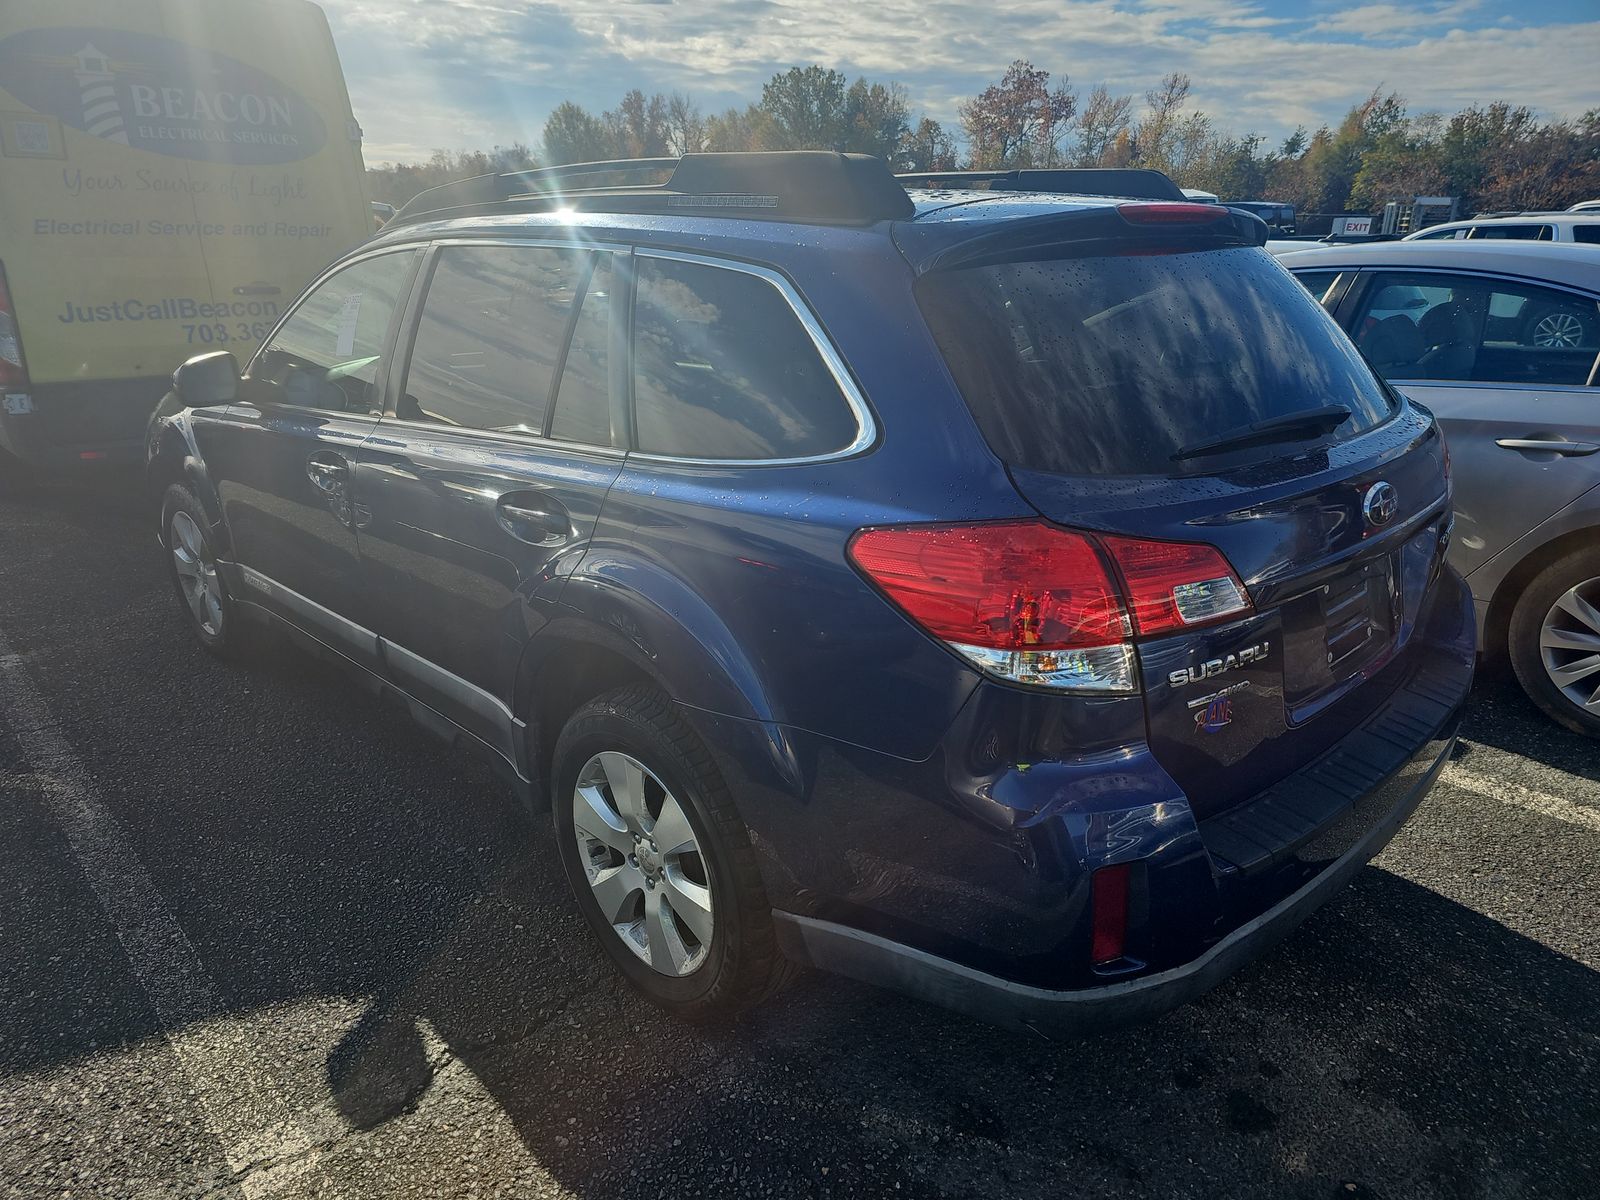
{"points": [[1549, 445], [545, 525], [329, 472]]}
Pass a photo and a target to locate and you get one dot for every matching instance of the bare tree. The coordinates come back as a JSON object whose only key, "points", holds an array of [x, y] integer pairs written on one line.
{"points": [[1020, 121], [1104, 118]]}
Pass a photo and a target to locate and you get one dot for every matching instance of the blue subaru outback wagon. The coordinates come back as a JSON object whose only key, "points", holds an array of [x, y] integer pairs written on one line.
{"points": [[1028, 600]]}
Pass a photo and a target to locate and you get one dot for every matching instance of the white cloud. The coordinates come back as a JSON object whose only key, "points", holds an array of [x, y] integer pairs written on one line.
{"points": [[469, 73]]}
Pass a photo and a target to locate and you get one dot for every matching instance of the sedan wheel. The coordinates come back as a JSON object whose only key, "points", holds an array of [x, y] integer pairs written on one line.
{"points": [[1569, 645], [1558, 330], [643, 863]]}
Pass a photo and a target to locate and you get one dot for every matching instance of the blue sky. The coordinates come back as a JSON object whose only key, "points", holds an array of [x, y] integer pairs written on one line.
{"points": [[466, 74]]}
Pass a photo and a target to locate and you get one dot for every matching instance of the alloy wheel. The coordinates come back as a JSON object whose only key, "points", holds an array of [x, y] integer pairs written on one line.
{"points": [[1569, 645], [197, 572], [1558, 331], [643, 863]]}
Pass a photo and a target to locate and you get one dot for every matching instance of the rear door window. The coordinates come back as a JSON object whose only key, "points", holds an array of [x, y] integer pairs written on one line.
{"points": [[724, 369], [1114, 365], [1518, 233], [1435, 326], [583, 398], [1318, 283], [492, 327]]}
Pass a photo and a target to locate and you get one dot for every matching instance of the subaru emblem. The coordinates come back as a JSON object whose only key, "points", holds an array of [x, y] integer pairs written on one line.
{"points": [[1380, 504]]}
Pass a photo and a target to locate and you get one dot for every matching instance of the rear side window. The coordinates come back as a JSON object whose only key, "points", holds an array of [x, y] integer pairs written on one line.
{"points": [[1114, 365], [723, 368], [492, 328], [1517, 233], [1435, 326], [1318, 283], [1586, 233]]}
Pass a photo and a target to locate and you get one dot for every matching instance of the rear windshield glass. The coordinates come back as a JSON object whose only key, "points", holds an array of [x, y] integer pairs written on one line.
{"points": [[1114, 365]]}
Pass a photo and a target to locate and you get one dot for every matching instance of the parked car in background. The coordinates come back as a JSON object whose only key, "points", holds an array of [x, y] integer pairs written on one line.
{"points": [[1502, 342], [1525, 227], [1585, 206], [846, 571], [1278, 215], [1200, 197]]}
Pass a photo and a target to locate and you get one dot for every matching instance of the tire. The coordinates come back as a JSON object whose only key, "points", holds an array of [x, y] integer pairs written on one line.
{"points": [[202, 593], [740, 964], [1540, 653]]}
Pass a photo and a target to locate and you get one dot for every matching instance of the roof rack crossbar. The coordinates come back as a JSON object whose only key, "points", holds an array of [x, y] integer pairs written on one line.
{"points": [[1132, 183], [795, 185]]}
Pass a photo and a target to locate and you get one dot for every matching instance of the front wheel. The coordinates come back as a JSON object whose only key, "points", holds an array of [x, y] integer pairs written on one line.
{"points": [[192, 565], [1561, 327], [658, 859], [1554, 640]]}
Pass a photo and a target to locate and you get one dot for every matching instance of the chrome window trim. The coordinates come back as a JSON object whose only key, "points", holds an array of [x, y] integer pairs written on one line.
{"points": [[515, 440], [866, 426]]}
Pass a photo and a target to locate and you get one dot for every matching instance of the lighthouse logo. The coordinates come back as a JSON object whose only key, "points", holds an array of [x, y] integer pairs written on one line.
{"points": [[155, 94], [97, 91]]}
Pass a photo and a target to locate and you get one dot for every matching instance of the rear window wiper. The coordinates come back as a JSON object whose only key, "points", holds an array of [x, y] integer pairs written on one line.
{"points": [[1311, 423]]}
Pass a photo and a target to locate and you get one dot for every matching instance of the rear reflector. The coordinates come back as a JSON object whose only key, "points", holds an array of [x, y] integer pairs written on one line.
{"points": [[1176, 585], [1108, 906], [1171, 214], [1024, 600], [13, 375]]}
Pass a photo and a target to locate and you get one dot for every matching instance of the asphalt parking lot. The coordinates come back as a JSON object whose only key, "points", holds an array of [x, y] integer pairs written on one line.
{"points": [[261, 937]]}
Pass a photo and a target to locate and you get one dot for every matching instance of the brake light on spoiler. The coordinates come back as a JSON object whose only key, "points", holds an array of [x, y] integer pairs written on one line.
{"points": [[1034, 603]]}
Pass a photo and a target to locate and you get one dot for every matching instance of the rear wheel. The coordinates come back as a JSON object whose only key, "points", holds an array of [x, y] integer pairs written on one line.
{"points": [[192, 564], [1554, 640], [659, 860]]}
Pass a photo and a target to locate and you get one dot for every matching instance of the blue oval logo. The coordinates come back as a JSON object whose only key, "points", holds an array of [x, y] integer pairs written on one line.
{"points": [[156, 94]]}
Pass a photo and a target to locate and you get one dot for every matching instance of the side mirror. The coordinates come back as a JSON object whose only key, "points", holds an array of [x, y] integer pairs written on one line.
{"points": [[207, 380]]}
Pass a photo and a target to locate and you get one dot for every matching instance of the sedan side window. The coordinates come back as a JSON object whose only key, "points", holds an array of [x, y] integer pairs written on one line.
{"points": [[1318, 283], [327, 354], [1519, 233], [1434, 326], [492, 327], [723, 368]]}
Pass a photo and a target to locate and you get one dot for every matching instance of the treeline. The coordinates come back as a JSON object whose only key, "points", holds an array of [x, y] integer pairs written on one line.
{"points": [[1498, 156]]}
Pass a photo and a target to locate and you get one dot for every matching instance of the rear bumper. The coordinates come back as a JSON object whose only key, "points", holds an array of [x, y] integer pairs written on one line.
{"points": [[1061, 1013], [1218, 891], [90, 424]]}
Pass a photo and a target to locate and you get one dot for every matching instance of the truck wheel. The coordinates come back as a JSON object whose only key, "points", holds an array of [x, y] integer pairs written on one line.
{"points": [[1554, 640], [658, 859]]}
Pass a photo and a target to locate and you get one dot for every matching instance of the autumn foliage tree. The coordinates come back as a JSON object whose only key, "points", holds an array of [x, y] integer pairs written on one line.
{"points": [[1019, 121]]}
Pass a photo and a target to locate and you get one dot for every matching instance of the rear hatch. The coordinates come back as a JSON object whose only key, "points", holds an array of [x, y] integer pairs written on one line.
{"points": [[1184, 388]]}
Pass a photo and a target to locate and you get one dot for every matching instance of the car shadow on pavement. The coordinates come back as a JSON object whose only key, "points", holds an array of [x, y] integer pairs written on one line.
{"points": [[1401, 1044], [1502, 716]]}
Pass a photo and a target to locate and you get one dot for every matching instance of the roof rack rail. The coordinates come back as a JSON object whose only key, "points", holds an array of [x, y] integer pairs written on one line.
{"points": [[1131, 183], [808, 186]]}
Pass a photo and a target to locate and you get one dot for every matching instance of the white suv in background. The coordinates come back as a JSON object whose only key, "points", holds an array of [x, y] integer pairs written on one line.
{"points": [[1525, 227]]}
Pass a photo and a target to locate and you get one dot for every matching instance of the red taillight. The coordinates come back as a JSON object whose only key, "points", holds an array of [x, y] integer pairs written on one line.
{"points": [[1108, 910], [13, 375], [1024, 600], [1171, 214], [1034, 603], [1176, 585]]}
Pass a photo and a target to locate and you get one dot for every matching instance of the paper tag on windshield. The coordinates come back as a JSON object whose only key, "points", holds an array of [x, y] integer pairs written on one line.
{"points": [[345, 346]]}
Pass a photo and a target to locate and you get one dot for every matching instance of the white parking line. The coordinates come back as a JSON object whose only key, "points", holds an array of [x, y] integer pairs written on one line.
{"points": [[265, 1138], [1543, 803]]}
